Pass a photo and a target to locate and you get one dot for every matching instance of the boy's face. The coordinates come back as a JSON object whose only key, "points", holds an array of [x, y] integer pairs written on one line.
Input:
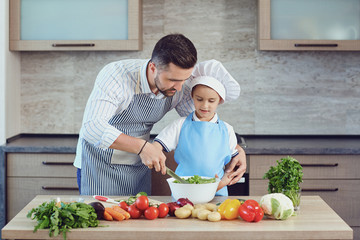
{"points": [[206, 101]]}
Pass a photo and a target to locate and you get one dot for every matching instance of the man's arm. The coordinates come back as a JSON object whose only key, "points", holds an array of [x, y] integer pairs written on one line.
{"points": [[237, 167], [150, 154]]}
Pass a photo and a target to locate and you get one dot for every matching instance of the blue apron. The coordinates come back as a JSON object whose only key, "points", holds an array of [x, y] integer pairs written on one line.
{"points": [[203, 149]]}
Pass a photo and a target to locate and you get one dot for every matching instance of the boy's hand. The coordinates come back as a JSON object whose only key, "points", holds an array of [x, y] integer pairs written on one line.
{"points": [[237, 166]]}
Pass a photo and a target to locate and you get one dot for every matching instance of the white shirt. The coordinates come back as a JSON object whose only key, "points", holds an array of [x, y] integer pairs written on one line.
{"points": [[169, 136]]}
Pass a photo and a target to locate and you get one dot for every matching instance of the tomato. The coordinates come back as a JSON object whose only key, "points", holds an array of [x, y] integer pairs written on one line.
{"points": [[151, 213], [142, 202], [163, 210], [134, 211], [124, 205]]}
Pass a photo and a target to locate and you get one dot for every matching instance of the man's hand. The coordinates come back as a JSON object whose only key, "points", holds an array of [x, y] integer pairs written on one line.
{"points": [[153, 157], [237, 167]]}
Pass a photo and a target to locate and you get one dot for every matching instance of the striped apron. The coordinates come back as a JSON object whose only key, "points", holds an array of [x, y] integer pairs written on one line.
{"points": [[109, 172]]}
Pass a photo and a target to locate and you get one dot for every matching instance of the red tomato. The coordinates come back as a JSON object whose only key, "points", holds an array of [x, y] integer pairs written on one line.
{"points": [[124, 206], [151, 213], [142, 202], [163, 210], [134, 211]]}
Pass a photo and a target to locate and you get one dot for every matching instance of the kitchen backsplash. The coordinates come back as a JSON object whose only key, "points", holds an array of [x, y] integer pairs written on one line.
{"points": [[281, 92]]}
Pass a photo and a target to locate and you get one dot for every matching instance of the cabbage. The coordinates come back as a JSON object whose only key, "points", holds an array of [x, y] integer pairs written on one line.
{"points": [[277, 206]]}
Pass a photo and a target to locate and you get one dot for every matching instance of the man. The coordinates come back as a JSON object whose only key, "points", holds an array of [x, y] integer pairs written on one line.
{"points": [[128, 98]]}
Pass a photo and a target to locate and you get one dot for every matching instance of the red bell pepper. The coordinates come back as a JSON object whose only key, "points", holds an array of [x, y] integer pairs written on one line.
{"points": [[251, 211]]}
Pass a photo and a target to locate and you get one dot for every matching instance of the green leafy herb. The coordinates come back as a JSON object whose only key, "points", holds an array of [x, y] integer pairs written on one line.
{"points": [[285, 178], [64, 217], [197, 180]]}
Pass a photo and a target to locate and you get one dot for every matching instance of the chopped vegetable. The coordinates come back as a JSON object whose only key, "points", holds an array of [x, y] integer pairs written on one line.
{"points": [[277, 206], [251, 211], [229, 209], [63, 218], [198, 180]]}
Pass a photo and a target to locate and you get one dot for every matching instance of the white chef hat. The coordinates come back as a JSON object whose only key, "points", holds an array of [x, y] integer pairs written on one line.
{"points": [[215, 70], [212, 83]]}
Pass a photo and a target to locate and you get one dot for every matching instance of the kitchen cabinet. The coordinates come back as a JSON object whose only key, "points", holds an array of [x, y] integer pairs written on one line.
{"points": [[316, 25], [31, 174], [334, 178], [75, 25]]}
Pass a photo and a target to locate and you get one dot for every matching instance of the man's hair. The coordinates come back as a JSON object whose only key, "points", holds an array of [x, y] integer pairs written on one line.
{"points": [[176, 49]]}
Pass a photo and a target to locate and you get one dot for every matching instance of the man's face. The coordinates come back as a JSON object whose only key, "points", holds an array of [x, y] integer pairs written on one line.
{"points": [[171, 80]]}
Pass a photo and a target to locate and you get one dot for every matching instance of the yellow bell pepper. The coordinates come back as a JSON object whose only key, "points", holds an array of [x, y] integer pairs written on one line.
{"points": [[229, 209]]}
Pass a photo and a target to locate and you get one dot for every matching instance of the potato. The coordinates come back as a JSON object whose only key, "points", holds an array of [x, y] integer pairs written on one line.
{"points": [[214, 217], [182, 212], [199, 206], [211, 207], [203, 214], [189, 206], [195, 211]]}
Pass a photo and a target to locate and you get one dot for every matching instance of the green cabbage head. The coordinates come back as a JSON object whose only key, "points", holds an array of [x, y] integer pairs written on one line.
{"points": [[277, 206]]}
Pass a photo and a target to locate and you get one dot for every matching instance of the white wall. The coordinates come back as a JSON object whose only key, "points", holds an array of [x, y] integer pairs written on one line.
{"points": [[9, 80]]}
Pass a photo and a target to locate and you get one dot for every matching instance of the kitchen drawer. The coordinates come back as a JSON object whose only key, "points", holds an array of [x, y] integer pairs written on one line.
{"points": [[40, 165], [314, 166], [341, 195], [20, 191]]}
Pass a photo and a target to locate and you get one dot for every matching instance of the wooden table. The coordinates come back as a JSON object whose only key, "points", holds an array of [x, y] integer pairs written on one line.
{"points": [[316, 220]]}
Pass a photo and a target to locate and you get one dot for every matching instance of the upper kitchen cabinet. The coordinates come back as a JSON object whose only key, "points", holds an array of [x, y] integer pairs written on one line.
{"points": [[75, 25], [298, 25]]}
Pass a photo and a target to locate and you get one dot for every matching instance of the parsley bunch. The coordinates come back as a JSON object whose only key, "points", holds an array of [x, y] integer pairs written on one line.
{"points": [[285, 178], [62, 219]]}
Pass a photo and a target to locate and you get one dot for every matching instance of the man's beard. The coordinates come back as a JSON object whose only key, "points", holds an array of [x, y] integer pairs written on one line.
{"points": [[166, 92]]}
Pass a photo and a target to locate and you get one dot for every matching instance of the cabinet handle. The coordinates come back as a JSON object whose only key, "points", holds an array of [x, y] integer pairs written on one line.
{"points": [[315, 45], [73, 44], [320, 189], [319, 164], [59, 188], [56, 163]]}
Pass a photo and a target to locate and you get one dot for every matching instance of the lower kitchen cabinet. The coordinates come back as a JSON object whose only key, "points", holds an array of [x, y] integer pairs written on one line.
{"points": [[334, 178], [31, 174]]}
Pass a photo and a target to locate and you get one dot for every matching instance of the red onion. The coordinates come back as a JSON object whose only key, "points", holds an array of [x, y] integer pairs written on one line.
{"points": [[172, 207], [183, 201]]}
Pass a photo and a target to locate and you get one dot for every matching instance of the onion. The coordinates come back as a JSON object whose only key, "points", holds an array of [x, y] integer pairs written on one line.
{"points": [[183, 201], [172, 207]]}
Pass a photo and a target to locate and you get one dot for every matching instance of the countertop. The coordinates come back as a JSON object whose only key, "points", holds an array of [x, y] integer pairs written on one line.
{"points": [[316, 220], [254, 144]]}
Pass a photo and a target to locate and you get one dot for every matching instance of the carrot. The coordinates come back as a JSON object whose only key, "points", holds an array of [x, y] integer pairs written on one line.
{"points": [[116, 215], [107, 216], [122, 211]]}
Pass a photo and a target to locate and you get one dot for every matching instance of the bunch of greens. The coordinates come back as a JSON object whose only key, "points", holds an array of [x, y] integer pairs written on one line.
{"points": [[61, 219], [286, 178], [198, 180]]}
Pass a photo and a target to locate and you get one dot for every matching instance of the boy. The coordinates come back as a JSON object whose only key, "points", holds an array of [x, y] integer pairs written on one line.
{"points": [[203, 143]]}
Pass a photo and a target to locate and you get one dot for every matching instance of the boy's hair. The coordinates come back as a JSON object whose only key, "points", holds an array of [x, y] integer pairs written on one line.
{"points": [[176, 49]]}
